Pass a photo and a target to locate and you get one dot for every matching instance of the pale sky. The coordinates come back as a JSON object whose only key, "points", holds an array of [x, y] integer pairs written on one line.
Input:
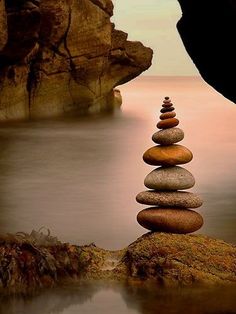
{"points": [[153, 22]]}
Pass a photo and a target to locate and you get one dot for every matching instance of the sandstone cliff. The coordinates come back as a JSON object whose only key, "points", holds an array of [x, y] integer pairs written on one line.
{"points": [[63, 56], [208, 29]]}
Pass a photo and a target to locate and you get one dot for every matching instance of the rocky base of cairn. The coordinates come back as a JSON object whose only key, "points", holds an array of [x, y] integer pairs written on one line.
{"points": [[34, 262], [172, 208]]}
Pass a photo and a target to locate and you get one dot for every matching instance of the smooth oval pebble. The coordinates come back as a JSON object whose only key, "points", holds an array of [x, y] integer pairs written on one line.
{"points": [[163, 110], [168, 136], [170, 220], [167, 105], [167, 123], [167, 115], [169, 179], [167, 155], [166, 101], [170, 199]]}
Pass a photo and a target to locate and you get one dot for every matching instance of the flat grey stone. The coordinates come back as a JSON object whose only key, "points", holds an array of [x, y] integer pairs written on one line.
{"points": [[169, 179], [168, 136], [170, 199]]}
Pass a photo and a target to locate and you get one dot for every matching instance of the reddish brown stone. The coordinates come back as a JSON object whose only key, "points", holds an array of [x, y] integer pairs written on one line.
{"points": [[168, 105], [167, 115], [168, 123], [167, 100], [170, 220], [163, 110], [167, 155]]}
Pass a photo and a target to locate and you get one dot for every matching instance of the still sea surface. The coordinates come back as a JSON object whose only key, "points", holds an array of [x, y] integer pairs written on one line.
{"points": [[79, 178]]}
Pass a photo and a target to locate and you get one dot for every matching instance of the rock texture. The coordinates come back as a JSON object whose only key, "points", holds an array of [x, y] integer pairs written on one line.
{"points": [[208, 32], [30, 262], [182, 259], [170, 199], [169, 178], [62, 57]]}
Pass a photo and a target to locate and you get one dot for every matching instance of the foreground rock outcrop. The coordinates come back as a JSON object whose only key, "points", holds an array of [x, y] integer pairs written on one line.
{"points": [[208, 29], [29, 262], [63, 56]]}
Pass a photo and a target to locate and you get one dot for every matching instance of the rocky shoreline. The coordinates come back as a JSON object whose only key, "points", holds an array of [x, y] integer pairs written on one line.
{"points": [[32, 262]]}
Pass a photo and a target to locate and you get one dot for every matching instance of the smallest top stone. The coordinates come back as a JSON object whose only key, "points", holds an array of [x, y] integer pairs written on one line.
{"points": [[167, 102]]}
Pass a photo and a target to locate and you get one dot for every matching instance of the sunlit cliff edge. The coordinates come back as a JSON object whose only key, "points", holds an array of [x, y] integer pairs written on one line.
{"points": [[63, 57]]}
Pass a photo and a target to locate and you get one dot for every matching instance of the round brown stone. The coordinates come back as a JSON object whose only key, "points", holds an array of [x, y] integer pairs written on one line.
{"points": [[168, 136], [168, 105], [169, 179], [167, 123], [170, 199], [167, 100], [167, 115], [167, 155], [170, 220], [163, 110]]}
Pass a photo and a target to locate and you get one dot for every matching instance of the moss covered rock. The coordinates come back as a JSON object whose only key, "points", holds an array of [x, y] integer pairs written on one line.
{"points": [[35, 261], [181, 259]]}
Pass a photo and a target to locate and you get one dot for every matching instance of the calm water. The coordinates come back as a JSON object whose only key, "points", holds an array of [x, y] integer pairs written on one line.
{"points": [[80, 178]]}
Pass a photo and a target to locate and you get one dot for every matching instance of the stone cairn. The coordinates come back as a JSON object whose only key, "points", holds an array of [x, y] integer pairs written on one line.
{"points": [[171, 211]]}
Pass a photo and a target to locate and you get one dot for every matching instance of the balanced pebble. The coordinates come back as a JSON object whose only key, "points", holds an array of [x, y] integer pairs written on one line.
{"points": [[170, 199], [170, 220], [169, 179], [163, 110], [168, 136], [167, 115], [168, 123], [167, 155], [168, 105]]}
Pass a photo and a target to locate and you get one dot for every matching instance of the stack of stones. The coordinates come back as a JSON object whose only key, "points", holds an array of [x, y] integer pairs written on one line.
{"points": [[171, 211]]}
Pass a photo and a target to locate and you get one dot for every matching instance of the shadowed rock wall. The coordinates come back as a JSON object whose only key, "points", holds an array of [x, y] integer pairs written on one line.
{"points": [[62, 57], [208, 32]]}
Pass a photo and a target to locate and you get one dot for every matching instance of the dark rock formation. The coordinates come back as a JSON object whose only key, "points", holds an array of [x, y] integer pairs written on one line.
{"points": [[63, 56], [208, 32], [28, 262]]}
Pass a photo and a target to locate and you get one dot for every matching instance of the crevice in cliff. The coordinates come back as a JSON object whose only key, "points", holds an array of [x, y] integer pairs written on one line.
{"points": [[107, 8], [72, 66], [33, 78]]}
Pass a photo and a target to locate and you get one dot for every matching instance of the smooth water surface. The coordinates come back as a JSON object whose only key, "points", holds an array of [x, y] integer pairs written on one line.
{"points": [[123, 299], [79, 178]]}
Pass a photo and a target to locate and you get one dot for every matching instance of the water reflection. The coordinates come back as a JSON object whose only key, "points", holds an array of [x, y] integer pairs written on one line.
{"points": [[120, 298]]}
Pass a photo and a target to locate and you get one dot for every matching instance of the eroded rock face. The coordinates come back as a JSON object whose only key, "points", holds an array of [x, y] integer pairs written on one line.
{"points": [[62, 57], [3, 24], [208, 29]]}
